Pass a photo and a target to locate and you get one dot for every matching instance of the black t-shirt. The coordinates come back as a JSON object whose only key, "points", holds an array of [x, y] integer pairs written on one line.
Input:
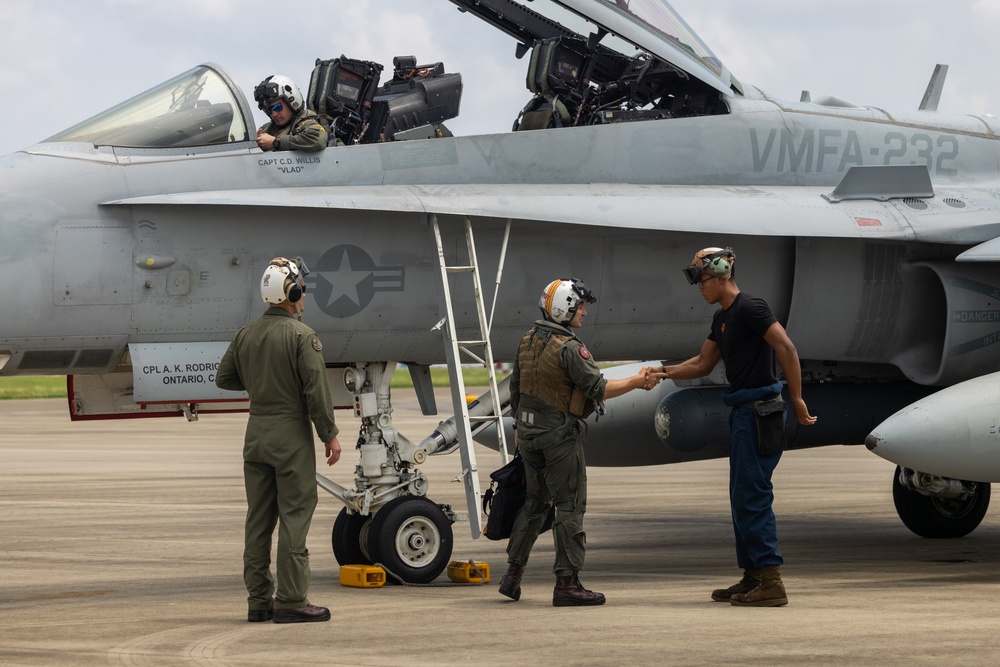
{"points": [[739, 332]]}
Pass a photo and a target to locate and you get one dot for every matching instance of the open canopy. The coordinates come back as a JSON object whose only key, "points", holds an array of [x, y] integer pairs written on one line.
{"points": [[625, 27]]}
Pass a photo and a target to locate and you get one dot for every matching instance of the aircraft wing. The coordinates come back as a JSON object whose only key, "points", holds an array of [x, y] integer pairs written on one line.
{"points": [[717, 209]]}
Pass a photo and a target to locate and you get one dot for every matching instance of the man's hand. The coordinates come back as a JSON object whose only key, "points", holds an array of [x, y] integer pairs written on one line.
{"points": [[802, 412], [332, 451], [265, 141], [651, 377]]}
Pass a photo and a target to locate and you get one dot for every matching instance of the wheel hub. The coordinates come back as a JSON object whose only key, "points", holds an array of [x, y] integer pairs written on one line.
{"points": [[418, 541]]}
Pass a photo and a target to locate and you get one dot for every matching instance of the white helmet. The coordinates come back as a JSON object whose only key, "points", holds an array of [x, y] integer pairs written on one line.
{"points": [[283, 280], [277, 87], [560, 299]]}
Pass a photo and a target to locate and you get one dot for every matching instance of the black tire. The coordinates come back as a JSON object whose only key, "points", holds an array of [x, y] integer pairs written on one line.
{"points": [[940, 517], [347, 536], [411, 537]]}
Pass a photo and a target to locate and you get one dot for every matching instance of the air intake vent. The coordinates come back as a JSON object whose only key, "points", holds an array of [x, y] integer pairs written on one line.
{"points": [[954, 203], [916, 204], [93, 358], [37, 360]]}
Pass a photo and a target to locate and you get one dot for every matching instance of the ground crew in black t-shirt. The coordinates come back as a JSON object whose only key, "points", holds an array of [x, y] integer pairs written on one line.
{"points": [[747, 337]]}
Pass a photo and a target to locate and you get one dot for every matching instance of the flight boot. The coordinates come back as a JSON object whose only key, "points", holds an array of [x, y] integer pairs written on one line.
{"points": [[750, 581], [569, 592], [770, 592], [510, 583]]}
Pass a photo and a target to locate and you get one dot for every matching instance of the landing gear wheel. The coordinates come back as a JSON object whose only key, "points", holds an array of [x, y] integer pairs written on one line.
{"points": [[412, 537], [347, 538], [940, 517]]}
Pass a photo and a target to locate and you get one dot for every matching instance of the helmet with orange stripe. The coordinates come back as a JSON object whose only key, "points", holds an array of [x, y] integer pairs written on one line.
{"points": [[560, 299]]}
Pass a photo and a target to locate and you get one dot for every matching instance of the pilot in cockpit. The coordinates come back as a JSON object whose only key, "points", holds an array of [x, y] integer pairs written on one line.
{"points": [[293, 127]]}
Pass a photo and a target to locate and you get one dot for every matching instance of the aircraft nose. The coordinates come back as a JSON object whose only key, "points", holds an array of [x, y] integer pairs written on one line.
{"points": [[871, 442], [953, 433], [909, 434]]}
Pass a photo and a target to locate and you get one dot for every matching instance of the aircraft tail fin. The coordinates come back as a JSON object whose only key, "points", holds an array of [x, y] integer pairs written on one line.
{"points": [[933, 93]]}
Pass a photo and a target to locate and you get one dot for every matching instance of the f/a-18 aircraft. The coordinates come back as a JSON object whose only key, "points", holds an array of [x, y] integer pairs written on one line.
{"points": [[140, 235]]}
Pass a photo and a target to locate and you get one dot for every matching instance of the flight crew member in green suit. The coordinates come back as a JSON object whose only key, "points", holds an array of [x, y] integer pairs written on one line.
{"points": [[277, 360], [555, 384], [293, 127]]}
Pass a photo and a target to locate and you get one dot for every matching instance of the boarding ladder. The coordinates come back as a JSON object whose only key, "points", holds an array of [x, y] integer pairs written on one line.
{"points": [[480, 351]]}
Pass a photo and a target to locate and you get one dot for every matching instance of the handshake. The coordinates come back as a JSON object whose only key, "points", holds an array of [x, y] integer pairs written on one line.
{"points": [[651, 376]]}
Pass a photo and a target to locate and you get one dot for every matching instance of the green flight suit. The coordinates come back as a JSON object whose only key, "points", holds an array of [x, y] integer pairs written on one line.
{"points": [[303, 133], [550, 438], [277, 360]]}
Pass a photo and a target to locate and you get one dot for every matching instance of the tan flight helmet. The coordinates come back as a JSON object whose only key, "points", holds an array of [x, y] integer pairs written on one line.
{"points": [[716, 262]]}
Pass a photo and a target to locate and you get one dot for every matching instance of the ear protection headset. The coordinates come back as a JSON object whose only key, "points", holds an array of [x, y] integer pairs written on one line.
{"points": [[295, 291], [719, 263], [297, 288]]}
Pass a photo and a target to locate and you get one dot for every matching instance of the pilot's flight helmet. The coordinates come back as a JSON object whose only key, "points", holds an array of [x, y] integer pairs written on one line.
{"points": [[560, 299], [277, 87], [716, 262], [283, 279]]}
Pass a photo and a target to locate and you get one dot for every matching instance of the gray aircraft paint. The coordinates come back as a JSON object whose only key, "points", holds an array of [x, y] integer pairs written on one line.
{"points": [[116, 247]]}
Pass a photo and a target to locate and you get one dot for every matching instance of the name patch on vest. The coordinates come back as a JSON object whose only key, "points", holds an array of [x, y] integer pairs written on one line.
{"points": [[584, 352]]}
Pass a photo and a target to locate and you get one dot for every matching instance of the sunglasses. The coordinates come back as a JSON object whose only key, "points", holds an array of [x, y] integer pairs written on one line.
{"points": [[275, 108]]}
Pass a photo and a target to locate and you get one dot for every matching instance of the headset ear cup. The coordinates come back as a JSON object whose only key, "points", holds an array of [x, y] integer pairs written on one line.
{"points": [[294, 293]]}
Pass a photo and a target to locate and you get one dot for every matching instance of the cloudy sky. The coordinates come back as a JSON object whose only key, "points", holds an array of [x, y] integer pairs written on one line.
{"points": [[67, 60]]}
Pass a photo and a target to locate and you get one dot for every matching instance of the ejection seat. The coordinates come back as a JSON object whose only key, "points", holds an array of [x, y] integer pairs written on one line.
{"points": [[346, 95], [555, 75]]}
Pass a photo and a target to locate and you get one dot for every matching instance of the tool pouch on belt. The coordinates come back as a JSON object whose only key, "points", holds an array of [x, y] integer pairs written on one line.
{"points": [[770, 418]]}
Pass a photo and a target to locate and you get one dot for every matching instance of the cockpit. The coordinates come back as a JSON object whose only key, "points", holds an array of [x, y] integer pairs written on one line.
{"points": [[591, 62]]}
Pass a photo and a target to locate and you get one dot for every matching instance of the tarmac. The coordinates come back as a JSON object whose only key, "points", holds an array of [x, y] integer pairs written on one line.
{"points": [[122, 544]]}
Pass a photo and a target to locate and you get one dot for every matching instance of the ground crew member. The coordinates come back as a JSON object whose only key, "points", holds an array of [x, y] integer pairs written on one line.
{"points": [[747, 337], [277, 360], [554, 385], [292, 126]]}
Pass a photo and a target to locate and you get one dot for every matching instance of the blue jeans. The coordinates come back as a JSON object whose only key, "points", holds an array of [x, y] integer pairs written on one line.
{"points": [[750, 491]]}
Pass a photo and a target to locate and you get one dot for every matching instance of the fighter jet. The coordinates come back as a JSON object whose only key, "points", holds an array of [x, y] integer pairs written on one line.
{"points": [[133, 243]]}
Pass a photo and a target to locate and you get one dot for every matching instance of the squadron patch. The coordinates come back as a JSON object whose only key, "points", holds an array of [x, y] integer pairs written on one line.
{"points": [[584, 352], [318, 346]]}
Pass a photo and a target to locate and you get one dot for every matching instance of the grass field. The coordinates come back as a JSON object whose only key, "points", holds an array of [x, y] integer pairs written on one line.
{"points": [[54, 386]]}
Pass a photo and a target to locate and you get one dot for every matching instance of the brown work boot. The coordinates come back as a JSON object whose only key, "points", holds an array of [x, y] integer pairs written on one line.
{"points": [[770, 592], [306, 614], [750, 581], [569, 592], [510, 583]]}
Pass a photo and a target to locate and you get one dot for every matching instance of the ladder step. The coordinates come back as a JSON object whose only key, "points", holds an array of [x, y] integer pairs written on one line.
{"points": [[471, 342], [489, 418], [460, 269]]}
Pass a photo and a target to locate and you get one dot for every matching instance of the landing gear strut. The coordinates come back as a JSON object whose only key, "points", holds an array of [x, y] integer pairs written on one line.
{"points": [[387, 518]]}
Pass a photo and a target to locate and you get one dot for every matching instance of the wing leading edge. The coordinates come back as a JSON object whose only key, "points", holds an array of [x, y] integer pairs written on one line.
{"points": [[772, 211]]}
